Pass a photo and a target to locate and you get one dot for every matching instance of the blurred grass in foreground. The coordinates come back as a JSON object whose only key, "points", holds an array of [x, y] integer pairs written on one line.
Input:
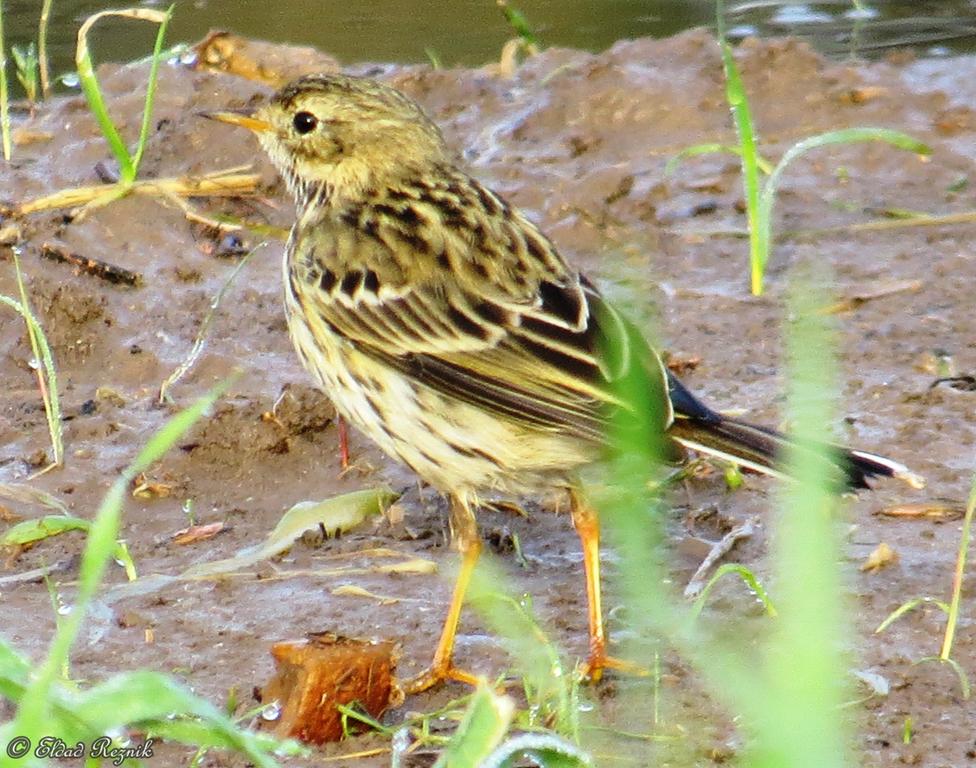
{"points": [[784, 691], [149, 702]]}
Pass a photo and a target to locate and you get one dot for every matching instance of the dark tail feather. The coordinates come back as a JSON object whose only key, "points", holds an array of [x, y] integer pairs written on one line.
{"points": [[762, 449]]}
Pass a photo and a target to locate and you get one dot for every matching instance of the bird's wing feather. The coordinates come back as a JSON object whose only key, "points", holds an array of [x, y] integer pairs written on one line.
{"points": [[462, 294]]}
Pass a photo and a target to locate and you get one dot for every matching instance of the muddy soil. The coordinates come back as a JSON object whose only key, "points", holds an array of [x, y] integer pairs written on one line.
{"points": [[580, 141]]}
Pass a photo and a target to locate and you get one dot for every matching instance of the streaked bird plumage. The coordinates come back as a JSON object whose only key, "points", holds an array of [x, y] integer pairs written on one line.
{"points": [[447, 327]]}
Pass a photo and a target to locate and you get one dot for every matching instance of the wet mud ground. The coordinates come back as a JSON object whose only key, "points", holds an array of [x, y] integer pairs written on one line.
{"points": [[580, 141]]}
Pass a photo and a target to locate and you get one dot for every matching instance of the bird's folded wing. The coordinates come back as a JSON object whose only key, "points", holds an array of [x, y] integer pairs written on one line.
{"points": [[555, 361]]}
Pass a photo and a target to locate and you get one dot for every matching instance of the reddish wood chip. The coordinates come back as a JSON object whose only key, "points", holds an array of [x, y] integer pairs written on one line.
{"points": [[316, 674]]}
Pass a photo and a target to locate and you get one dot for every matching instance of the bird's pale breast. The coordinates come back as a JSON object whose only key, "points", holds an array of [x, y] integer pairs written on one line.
{"points": [[450, 444]]}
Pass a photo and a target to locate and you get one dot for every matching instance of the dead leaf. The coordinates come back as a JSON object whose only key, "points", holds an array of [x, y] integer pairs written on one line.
{"points": [[144, 488], [352, 590], [940, 509], [882, 557], [395, 513], [862, 94], [340, 513], [110, 396], [854, 301], [197, 533], [11, 233], [23, 137], [416, 565], [878, 684]]}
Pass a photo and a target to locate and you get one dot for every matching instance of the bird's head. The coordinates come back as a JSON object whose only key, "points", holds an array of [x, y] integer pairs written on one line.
{"points": [[344, 134]]}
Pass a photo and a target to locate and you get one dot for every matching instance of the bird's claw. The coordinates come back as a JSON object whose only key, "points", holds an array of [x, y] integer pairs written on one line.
{"points": [[593, 669], [436, 674]]}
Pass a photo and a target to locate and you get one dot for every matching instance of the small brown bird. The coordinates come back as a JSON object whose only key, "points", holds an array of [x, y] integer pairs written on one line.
{"points": [[447, 327]]}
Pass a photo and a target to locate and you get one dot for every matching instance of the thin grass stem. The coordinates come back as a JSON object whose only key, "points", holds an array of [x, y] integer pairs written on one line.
{"points": [[201, 338], [964, 540], [150, 92], [844, 136], [46, 373], [4, 95], [128, 165], [748, 578], [908, 606], [93, 94], [710, 148], [42, 63], [735, 94]]}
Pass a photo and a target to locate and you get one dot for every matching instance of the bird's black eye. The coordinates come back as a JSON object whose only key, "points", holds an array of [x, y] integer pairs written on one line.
{"points": [[305, 122]]}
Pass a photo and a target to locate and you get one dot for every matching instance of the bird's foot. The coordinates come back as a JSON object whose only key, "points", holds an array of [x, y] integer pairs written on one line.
{"points": [[593, 669], [436, 674]]}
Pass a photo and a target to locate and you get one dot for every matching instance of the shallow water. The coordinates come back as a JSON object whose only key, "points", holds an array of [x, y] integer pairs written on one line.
{"points": [[471, 32]]}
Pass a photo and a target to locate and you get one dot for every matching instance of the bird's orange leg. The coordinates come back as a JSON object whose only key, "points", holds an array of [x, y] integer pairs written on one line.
{"points": [[587, 525], [465, 531]]}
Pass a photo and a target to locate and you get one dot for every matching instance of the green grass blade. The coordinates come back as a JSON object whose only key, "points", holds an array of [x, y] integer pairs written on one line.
{"points": [[12, 665], [258, 746], [150, 92], [434, 58], [42, 65], [550, 688], [351, 713], [964, 541], [198, 343], [955, 667], [50, 396], [124, 558], [482, 730], [747, 576], [93, 93], [519, 23], [910, 605], [742, 116], [802, 724], [544, 749], [40, 528], [709, 148], [101, 546], [4, 94], [42, 354], [25, 64], [844, 136], [150, 698], [735, 94]]}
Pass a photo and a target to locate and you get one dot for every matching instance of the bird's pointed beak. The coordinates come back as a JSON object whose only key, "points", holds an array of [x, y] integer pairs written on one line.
{"points": [[242, 117]]}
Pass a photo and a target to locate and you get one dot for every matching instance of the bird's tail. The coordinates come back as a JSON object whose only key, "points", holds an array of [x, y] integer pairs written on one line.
{"points": [[764, 450]]}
